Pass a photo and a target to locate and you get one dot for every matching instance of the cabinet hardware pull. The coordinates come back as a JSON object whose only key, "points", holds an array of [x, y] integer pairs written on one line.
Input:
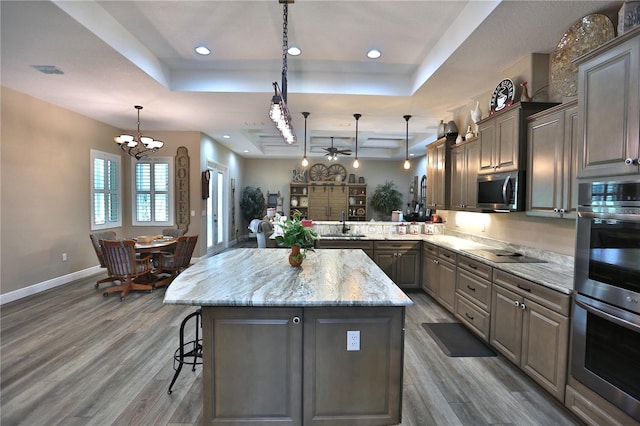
{"points": [[468, 316], [470, 288], [524, 288], [296, 320], [472, 266], [631, 161], [515, 302], [435, 261], [522, 306], [399, 254], [555, 210]]}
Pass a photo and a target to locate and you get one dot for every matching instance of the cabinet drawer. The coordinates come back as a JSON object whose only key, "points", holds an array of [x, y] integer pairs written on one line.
{"points": [[554, 300], [397, 245], [430, 248], [475, 288], [480, 269], [472, 316], [344, 244], [448, 255]]}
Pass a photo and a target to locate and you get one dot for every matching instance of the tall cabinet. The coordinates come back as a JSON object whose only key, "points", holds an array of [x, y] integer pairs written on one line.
{"points": [[439, 173], [464, 175], [609, 110]]}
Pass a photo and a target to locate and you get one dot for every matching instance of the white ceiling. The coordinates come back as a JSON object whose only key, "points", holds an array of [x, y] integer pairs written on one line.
{"points": [[436, 56]]}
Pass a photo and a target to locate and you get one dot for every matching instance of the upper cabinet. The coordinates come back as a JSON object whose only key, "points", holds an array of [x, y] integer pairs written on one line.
{"points": [[439, 173], [608, 110], [464, 175], [503, 135], [552, 162]]}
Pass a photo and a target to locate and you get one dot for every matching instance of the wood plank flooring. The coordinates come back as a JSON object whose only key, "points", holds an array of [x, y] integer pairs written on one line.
{"points": [[71, 357]]}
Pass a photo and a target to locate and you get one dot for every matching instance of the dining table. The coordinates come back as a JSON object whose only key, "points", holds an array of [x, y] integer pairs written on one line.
{"points": [[157, 245]]}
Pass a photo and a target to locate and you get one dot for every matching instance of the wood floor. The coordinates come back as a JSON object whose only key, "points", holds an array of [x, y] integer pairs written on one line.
{"points": [[71, 357]]}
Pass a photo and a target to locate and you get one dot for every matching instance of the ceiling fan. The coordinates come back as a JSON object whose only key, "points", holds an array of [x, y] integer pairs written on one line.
{"points": [[332, 153]]}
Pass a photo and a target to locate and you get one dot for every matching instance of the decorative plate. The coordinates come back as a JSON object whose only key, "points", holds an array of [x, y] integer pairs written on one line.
{"points": [[502, 96], [337, 170], [318, 172], [360, 211], [585, 35]]}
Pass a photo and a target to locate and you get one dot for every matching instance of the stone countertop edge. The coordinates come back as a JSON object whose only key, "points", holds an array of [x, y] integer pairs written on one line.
{"points": [[552, 275], [264, 278]]}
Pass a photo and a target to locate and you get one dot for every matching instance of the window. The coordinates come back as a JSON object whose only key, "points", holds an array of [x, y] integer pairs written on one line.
{"points": [[152, 192], [106, 191]]}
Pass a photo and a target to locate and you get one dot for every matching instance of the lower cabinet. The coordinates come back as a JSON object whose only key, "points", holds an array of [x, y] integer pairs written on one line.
{"points": [[530, 327], [439, 276], [291, 366], [473, 293], [400, 260], [365, 245]]}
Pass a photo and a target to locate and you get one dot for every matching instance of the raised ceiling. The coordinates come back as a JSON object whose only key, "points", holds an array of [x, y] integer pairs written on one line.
{"points": [[436, 56]]}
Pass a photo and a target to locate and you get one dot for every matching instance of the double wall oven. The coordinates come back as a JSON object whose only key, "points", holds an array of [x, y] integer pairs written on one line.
{"points": [[606, 320]]}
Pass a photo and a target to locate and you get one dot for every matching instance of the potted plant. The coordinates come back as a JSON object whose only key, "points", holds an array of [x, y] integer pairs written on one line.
{"points": [[386, 198], [300, 238], [252, 203]]}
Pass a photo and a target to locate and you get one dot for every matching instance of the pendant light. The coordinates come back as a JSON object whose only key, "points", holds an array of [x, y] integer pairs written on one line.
{"points": [[407, 164], [305, 162], [356, 163]]}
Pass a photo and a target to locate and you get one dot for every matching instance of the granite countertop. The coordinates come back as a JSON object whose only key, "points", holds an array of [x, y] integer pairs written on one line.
{"points": [[263, 277], [556, 276]]}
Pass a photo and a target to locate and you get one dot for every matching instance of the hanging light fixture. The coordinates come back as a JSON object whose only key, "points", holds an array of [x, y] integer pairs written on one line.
{"points": [[333, 153], [356, 163], [138, 146], [305, 162], [407, 164], [278, 111]]}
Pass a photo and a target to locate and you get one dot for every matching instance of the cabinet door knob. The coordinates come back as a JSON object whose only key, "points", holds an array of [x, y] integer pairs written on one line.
{"points": [[563, 211], [516, 303], [435, 261], [631, 161], [523, 306], [295, 320], [555, 210]]}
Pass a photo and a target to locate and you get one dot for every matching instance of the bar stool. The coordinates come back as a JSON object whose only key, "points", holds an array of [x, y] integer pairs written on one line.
{"points": [[189, 352]]}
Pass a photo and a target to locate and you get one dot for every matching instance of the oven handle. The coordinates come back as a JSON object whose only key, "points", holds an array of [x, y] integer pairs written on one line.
{"points": [[609, 313], [627, 217]]}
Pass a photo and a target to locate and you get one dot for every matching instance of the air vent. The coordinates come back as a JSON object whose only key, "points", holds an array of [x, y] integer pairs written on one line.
{"points": [[48, 69]]}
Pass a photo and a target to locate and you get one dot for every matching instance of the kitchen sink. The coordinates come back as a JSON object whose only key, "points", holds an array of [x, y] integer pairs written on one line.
{"points": [[503, 256]]}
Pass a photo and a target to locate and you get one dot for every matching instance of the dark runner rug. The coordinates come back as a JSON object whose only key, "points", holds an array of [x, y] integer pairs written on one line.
{"points": [[456, 341]]}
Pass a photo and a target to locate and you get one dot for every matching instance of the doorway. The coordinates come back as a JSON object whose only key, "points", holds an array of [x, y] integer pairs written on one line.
{"points": [[216, 206]]}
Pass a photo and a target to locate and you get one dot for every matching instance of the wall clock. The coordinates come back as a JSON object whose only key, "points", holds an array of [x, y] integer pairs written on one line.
{"points": [[503, 96]]}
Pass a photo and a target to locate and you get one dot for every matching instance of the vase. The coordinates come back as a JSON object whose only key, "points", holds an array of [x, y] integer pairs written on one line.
{"points": [[295, 258]]}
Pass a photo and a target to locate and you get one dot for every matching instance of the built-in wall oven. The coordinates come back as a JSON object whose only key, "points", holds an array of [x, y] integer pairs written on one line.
{"points": [[606, 319]]}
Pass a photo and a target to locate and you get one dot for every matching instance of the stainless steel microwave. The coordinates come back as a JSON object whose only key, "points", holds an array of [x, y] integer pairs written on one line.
{"points": [[501, 192]]}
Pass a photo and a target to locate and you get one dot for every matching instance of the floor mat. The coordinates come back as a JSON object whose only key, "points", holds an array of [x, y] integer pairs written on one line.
{"points": [[456, 341]]}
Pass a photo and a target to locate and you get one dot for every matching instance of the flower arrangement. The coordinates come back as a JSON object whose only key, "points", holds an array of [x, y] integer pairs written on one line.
{"points": [[294, 234]]}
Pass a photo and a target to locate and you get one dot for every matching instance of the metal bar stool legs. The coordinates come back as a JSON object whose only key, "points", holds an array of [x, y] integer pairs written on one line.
{"points": [[189, 352]]}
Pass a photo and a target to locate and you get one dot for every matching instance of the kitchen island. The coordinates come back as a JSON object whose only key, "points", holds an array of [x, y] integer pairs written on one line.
{"points": [[321, 344]]}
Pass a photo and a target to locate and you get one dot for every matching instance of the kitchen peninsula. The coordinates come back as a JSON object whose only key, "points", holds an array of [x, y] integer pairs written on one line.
{"points": [[320, 344]]}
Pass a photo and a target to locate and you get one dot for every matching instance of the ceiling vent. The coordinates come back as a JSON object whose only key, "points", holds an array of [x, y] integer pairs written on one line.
{"points": [[48, 69]]}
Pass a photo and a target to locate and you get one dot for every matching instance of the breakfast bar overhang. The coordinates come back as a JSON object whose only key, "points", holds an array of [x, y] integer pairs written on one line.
{"points": [[317, 345]]}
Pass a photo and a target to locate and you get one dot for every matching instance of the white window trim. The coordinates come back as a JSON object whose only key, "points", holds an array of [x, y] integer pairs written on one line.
{"points": [[94, 154], [171, 221]]}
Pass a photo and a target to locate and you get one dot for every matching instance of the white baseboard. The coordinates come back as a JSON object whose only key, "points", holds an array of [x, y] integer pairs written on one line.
{"points": [[49, 284]]}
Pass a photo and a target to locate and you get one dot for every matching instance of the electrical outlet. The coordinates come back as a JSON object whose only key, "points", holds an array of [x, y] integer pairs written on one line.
{"points": [[353, 340], [64, 257]]}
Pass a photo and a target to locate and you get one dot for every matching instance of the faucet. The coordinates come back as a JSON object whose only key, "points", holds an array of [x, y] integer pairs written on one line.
{"points": [[343, 218]]}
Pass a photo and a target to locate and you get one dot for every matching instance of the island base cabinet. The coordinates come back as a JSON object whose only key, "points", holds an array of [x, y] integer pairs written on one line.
{"points": [[291, 366]]}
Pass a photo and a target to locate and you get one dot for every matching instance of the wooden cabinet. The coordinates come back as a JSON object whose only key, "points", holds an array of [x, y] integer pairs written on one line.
{"points": [[609, 110], [502, 137], [357, 202], [299, 198], [400, 260], [465, 162], [552, 163], [530, 327], [439, 277], [439, 173], [327, 201], [473, 293], [256, 356]]}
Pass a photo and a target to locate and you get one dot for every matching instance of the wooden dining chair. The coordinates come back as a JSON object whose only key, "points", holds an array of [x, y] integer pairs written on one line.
{"points": [[173, 232], [96, 239], [123, 266], [175, 263]]}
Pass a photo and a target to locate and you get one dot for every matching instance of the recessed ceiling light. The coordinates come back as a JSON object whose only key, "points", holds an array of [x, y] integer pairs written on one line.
{"points": [[294, 51], [374, 54], [411, 155], [245, 150], [202, 50], [226, 136]]}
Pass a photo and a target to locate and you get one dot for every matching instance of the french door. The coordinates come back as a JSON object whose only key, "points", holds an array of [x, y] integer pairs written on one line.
{"points": [[216, 206]]}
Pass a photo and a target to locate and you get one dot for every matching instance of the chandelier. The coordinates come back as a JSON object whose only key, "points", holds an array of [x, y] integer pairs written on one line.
{"points": [[138, 146], [278, 111]]}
